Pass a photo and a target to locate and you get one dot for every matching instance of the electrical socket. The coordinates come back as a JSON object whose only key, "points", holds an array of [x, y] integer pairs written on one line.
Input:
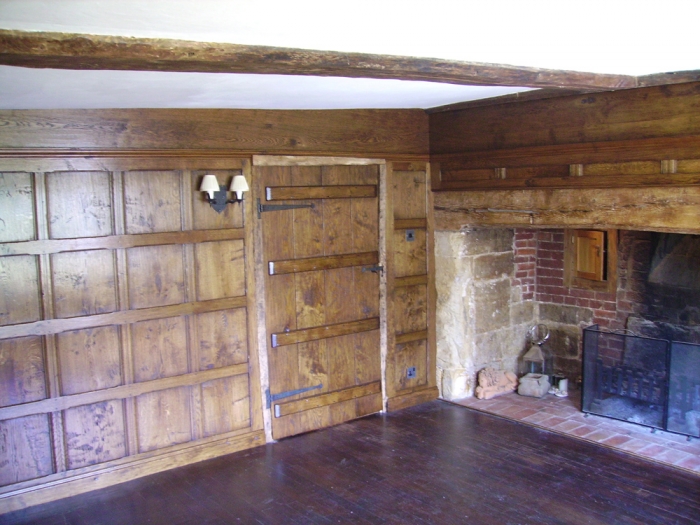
{"points": [[411, 372]]}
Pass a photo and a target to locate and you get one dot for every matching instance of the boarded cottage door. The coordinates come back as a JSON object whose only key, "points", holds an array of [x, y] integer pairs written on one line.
{"points": [[321, 295]]}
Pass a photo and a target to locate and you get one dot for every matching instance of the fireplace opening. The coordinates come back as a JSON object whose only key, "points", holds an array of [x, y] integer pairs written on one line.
{"points": [[651, 382]]}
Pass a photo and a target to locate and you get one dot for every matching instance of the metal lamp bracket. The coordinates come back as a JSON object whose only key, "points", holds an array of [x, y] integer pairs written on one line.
{"points": [[221, 199]]}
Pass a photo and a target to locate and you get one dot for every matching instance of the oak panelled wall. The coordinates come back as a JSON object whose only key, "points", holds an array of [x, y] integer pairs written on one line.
{"points": [[125, 307], [627, 159], [132, 335], [411, 283]]}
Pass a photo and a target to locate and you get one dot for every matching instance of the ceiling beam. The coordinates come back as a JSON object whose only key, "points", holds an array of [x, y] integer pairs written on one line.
{"points": [[98, 52]]}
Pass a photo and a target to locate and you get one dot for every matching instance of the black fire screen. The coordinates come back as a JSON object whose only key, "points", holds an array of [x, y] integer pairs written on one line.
{"points": [[625, 376], [652, 382], [684, 389]]}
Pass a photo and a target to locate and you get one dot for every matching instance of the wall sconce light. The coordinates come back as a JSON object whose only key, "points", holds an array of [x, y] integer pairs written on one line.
{"points": [[217, 196]]}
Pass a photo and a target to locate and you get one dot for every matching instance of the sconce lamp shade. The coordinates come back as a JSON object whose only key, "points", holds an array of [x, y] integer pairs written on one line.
{"points": [[209, 184], [238, 186]]}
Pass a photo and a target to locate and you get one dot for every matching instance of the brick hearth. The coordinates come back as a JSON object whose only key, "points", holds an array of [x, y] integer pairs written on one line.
{"points": [[564, 416]]}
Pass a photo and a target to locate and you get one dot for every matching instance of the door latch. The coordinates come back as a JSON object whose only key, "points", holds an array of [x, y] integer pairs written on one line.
{"points": [[373, 269]]}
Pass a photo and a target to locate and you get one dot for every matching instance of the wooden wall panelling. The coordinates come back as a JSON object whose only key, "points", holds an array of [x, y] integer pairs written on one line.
{"points": [[95, 477], [188, 190], [110, 374], [125, 329], [17, 207], [52, 367], [412, 312], [374, 133], [25, 442], [431, 379], [632, 138], [254, 300], [633, 114]]}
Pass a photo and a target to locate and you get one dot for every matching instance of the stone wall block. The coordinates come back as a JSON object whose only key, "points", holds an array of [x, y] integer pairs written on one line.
{"points": [[494, 240], [492, 305], [457, 383], [564, 314], [494, 266], [522, 313], [564, 341]]}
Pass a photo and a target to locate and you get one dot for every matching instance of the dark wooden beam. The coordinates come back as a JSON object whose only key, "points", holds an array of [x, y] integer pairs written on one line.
{"points": [[95, 52]]}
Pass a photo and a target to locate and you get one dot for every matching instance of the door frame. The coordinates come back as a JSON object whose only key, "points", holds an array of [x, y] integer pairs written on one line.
{"points": [[258, 191]]}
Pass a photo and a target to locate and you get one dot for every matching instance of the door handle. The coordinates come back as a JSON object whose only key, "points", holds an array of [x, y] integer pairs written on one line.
{"points": [[373, 269]]}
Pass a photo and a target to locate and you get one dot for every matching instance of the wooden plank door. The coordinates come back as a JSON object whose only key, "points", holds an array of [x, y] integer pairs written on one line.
{"points": [[322, 306]]}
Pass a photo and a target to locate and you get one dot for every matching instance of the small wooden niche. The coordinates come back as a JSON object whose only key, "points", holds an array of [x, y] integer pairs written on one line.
{"points": [[590, 259]]}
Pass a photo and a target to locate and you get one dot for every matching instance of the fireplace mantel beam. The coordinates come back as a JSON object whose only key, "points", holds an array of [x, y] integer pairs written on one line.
{"points": [[664, 209]]}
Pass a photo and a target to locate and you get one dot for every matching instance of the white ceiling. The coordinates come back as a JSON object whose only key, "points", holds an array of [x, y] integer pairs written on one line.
{"points": [[633, 37]]}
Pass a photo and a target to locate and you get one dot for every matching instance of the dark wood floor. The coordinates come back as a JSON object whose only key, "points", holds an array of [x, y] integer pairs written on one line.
{"points": [[435, 463]]}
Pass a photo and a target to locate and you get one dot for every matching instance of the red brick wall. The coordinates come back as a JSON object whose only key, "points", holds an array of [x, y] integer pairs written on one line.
{"points": [[539, 271], [549, 283], [525, 256]]}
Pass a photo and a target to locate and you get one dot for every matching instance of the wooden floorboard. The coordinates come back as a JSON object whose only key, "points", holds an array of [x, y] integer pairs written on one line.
{"points": [[434, 463]]}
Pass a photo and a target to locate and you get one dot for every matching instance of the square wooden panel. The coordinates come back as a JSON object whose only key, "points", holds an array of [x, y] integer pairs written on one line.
{"points": [[408, 355], [163, 418], [156, 276], [22, 376], [25, 449], [220, 269], [152, 201], [89, 359], [205, 217], [16, 207], [159, 348], [79, 204], [225, 405], [410, 308], [409, 196], [410, 256], [83, 283], [19, 290], [94, 434], [223, 338]]}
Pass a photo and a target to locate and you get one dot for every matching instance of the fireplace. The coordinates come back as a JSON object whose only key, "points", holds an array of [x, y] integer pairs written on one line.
{"points": [[651, 382]]}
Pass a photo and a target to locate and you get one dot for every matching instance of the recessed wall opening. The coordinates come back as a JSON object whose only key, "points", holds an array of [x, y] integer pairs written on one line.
{"points": [[495, 283]]}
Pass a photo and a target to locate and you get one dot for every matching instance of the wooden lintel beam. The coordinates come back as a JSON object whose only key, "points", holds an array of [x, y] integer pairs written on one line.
{"points": [[659, 208], [98, 52]]}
